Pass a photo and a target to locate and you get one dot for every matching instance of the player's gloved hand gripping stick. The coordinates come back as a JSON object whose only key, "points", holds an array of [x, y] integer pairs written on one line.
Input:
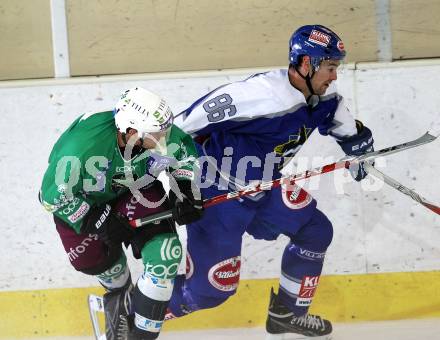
{"points": [[187, 207], [346, 162], [110, 227]]}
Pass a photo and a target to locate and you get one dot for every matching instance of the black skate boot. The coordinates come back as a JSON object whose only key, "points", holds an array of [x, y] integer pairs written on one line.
{"points": [[117, 304], [280, 320]]}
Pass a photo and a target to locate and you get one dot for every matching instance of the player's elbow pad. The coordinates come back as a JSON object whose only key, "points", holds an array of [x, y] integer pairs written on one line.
{"points": [[358, 144]]}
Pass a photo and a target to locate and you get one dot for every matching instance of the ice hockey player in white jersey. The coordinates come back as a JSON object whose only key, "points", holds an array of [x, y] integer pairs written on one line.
{"points": [[246, 131]]}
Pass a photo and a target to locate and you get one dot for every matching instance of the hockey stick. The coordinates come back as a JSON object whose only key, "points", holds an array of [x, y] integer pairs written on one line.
{"points": [[403, 189], [289, 179]]}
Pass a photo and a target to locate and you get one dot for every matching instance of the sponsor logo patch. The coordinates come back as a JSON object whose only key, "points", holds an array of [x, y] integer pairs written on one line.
{"points": [[131, 207], [74, 253], [310, 255], [340, 45], [189, 266], [159, 283], [81, 212], [113, 273], [156, 288], [307, 290], [125, 168], [103, 217], [319, 38], [295, 197], [62, 188], [363, 145], [161, 270], [50, 207], [148, 325], [69, 208], [157, 163], [182, 173], [170, 251], [225, 275]]}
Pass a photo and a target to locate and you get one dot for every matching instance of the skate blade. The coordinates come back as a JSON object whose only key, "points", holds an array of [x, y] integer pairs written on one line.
{"points": [[291, 336], [96, 307]]}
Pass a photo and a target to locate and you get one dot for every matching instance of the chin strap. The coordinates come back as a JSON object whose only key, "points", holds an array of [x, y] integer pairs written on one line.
{"points": [[308, 80], [124, 138]]}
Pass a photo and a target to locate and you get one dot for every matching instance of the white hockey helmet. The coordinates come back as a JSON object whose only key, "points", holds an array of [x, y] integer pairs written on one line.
{"points": [[142, 110]]}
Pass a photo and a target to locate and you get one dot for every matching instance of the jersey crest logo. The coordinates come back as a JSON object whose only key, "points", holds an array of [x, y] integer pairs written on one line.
{"points": [[290, 148]]}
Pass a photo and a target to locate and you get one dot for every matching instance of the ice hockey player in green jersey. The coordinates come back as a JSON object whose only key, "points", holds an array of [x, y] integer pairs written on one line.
{"points": [[102, 173]]}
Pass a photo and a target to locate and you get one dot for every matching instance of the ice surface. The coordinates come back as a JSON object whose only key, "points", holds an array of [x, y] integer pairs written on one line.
{"points": [[428, 329]]}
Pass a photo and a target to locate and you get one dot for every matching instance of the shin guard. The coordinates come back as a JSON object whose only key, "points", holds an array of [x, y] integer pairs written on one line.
{"points": [[301, 270], [150, 301]]}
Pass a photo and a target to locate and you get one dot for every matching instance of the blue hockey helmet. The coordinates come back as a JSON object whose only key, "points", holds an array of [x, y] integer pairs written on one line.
{"points": [[316, 41]]}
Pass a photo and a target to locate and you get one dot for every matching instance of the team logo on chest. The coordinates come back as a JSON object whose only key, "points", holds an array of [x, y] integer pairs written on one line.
{"points": [[292, 146]]}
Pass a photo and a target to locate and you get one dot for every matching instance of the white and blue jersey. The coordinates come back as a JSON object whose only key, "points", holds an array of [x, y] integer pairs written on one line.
{"points": [[240, 125], [264, 116]]}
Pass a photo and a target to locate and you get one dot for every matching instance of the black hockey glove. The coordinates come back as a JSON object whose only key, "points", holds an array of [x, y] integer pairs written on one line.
{"points": [[188, 206], [111, 228], [357, 145]]}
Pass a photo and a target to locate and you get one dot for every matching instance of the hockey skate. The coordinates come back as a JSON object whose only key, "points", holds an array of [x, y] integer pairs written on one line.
{"points": [[282, 324], [96, 307], [116, 306]]}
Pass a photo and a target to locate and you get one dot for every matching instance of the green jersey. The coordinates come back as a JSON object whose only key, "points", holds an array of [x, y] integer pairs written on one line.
{"points": [[86, 167]]}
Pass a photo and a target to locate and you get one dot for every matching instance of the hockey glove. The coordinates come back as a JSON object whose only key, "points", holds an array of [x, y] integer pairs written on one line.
{"points": [[111, 228], [357, 145], [187, 207]]}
